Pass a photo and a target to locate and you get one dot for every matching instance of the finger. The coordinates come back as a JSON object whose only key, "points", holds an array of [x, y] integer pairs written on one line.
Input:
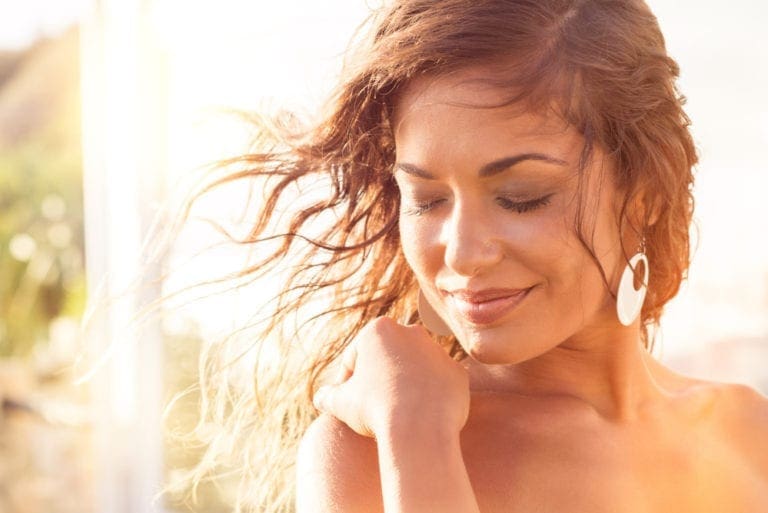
{"points": [[347, 363], [331, 399], [334, 400], [320, 400]]}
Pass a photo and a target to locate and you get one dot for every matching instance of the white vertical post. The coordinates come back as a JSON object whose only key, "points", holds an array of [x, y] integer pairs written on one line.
{"points": [[123, 88]]}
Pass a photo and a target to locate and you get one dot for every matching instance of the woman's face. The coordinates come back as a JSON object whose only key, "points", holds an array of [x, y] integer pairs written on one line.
{"points": [[489, 203]]}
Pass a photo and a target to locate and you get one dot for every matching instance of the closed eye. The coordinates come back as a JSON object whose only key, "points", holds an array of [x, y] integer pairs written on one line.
{"points": [[418, 209], [522, 207]]}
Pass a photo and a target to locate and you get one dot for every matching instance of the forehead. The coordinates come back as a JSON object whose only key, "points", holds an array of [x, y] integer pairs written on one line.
{"points": [[468, 108]]}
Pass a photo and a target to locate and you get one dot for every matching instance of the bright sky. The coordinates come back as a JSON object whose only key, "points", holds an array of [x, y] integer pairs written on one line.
{"points": [[21, 22]]}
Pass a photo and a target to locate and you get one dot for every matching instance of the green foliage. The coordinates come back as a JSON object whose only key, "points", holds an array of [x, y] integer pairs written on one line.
{"points": [[41, 201]]}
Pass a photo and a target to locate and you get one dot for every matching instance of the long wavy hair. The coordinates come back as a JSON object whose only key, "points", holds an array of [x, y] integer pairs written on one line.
{"points": [[329, 216]]}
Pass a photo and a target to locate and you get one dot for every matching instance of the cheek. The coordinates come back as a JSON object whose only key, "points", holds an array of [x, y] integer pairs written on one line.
{"points": [[581, 289], [550, 249], [547, 246], [418, 245]]}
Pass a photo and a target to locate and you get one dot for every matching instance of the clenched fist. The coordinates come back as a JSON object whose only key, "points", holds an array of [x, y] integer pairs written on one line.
{"points": [[396, 376]]}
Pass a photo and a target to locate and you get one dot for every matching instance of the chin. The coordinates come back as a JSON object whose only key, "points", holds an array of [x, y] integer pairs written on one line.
{"points": [[489, 351], [489, 359], [492, 348]]}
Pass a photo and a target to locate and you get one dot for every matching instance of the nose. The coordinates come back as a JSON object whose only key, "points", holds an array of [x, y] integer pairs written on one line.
{"points": [[470, 238]]}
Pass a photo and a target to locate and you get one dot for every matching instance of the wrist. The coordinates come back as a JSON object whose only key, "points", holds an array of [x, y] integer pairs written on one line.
{"points": [[416, 428], [422, 469], [410, 417]]}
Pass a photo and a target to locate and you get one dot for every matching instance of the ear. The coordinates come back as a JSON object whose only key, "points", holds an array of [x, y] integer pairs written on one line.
{"points": [[649, 208], [644, 208]]}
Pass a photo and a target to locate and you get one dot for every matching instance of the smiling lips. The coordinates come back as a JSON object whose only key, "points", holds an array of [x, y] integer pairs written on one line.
{"points": [[485, 306]]}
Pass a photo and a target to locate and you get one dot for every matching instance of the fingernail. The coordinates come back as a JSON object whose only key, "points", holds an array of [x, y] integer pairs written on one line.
{"points": [[319, 398]]}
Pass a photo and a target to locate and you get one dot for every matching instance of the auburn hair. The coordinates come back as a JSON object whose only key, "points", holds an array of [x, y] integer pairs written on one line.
{"points": [[604, 67]]}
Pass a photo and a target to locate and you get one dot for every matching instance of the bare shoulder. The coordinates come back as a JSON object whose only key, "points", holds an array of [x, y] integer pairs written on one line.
{"points": [[740, 406], [337, 470], [742, 411], [746, 397], [734, 405]]}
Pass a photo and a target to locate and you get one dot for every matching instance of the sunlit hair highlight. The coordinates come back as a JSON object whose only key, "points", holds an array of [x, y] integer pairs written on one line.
{"points": [[600, 64]]}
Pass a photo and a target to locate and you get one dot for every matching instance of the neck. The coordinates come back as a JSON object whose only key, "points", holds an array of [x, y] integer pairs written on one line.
{"points": [[609, 370]]}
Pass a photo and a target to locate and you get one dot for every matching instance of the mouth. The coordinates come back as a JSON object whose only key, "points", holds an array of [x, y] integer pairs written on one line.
{"points": [[486, 306]]}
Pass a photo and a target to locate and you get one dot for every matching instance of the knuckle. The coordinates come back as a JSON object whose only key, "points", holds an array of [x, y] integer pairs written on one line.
{"points": [[377, 331], [382, 323]]}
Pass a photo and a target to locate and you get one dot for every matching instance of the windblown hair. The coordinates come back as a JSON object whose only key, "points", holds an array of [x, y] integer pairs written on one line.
{"points": [[602, 64]]}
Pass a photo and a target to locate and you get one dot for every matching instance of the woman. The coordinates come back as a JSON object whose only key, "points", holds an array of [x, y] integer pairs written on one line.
{"points": [[521, 171]]}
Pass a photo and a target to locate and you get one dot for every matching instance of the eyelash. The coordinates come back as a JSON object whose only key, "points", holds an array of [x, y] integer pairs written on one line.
{"points": [[421, 208], [520, 207], [524, 206]]}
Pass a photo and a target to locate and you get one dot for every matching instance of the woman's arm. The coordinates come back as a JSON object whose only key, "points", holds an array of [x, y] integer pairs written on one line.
{"points": [[422, 470], [337, 470], [341, 471]]}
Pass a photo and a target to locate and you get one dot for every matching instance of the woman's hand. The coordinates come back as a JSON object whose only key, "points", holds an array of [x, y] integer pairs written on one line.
{"points": [[398, 386], [396, 376]]}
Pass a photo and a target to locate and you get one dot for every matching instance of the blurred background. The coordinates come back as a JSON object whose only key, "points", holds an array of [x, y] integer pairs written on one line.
{"points": [[107, 108]]}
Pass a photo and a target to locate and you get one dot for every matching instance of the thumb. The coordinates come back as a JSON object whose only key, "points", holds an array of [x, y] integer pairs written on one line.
{"points": [[328, 399], [320, 400], [336, 400]]}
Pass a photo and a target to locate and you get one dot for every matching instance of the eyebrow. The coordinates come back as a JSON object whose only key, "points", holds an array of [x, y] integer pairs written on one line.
{"points": [[490, 169]]}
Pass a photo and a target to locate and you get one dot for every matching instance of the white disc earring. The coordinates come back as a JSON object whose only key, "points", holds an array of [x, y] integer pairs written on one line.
{"points": [[629, 300], [430, 318]]}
